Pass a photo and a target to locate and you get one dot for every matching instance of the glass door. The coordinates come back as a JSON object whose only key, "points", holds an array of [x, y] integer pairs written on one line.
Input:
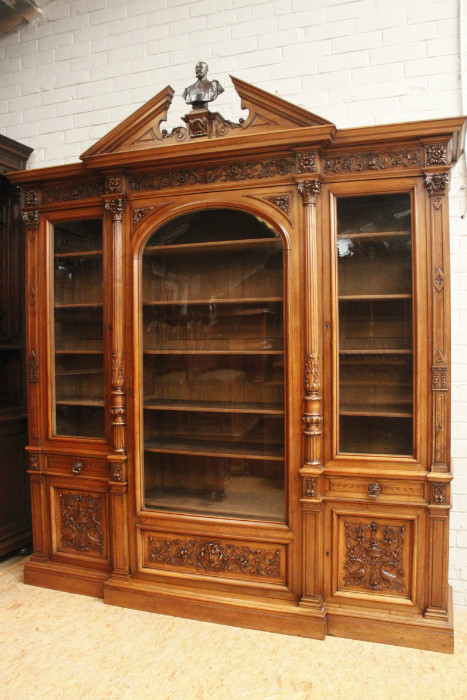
{"points": [[375, 317], [213, 367], [78, 329]]}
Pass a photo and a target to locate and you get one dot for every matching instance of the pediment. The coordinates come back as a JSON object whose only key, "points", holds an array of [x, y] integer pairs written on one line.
{"points": [[141, 131]]}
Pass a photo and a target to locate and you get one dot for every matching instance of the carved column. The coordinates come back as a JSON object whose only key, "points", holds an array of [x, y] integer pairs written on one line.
{"points": [[439, 476], [31, 222], [312, 400], [115, 206]]}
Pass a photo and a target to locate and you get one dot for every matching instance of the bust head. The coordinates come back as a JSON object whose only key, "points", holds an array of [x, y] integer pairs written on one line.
{"points": [[201, 70]]}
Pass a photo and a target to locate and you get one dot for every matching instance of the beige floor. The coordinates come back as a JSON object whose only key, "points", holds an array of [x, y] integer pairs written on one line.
{"points": [[57, 645]]}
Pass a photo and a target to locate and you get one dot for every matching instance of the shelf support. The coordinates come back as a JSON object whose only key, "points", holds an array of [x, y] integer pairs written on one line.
{"points": [[116, 206], [312, 408]]}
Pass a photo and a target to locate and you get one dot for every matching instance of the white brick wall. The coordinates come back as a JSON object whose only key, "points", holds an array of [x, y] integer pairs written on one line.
{"points": [[69, 78]]}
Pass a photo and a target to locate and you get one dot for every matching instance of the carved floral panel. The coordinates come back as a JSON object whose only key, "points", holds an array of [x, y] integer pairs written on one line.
{"points": [[232, 559], [80, 528]]}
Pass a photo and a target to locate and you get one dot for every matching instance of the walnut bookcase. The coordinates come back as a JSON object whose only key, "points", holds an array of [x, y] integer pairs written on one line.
{"points": [[239, 361]]}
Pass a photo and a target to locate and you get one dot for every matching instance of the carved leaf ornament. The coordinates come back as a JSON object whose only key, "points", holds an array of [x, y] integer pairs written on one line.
{"points": [[374, 556]]}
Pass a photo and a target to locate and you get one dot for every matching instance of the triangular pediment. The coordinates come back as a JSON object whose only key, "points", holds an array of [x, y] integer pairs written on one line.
{"points": [[141, 131]]}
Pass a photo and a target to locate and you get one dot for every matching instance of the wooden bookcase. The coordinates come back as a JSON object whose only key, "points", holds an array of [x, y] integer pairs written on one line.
{"points": [[239, 371]]}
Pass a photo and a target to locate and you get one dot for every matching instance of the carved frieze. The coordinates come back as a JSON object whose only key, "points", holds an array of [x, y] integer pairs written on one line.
{"points": [[116, 207], [309, 189], [280, 200], [205, 175], [438, 492], [373, 558], [81, 522], [66, 193], [436, 154], [377, 160], [306, 162], [214, 557]]}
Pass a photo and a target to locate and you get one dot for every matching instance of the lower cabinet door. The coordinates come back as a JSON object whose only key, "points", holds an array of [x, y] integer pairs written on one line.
{"points": [[79, 521], [375, 556]]}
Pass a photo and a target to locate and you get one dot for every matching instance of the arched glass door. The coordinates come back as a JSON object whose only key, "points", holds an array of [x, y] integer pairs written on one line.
{"points": [[213, 367]]}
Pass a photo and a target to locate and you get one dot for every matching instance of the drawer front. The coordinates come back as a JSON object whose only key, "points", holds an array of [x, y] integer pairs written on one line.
{"points": [[76, 466], [237, 559], [79, 521], [376, 490]]}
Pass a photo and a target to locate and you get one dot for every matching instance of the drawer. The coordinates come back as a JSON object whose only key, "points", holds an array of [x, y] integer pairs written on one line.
{"points": [[372, 489], [78, 466]]}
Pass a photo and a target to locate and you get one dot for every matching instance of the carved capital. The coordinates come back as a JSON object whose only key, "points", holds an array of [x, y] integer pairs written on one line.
{"points": [[436, 154], [306, 162], [116, 207], [309, 189], [436, 184], [113, 184]]}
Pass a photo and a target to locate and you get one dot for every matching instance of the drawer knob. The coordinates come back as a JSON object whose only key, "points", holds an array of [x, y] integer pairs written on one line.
{"points": [[374, 490], [77, 467]]}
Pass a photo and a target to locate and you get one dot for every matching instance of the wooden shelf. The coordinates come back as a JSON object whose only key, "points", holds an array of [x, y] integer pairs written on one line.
{"points": [[79, 402], [79, 306], [182, 302], [217, 406], [375, 352], [79, 352], [373, 297], [375, 410], [374, 234], [80, 254], [227, 246], [213, 352], [207, 448]]}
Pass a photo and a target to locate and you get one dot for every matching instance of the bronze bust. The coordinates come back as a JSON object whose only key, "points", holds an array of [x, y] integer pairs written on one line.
{"points": [[203, 91]]}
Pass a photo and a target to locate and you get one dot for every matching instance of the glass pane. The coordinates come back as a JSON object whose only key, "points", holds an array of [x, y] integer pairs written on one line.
{"points": [[213, 367], [374, 249], [78, 329]]}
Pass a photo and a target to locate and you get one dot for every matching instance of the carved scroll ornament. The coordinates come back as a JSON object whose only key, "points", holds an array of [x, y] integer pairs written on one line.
{"points": [[214, 557], [374, 556], [81, 522]]}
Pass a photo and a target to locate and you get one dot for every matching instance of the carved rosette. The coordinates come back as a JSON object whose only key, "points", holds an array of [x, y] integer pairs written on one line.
{"points": [[116, 207], [31, 198], [358, 162], [436, 154], [81, 522], [34, 462], [438, 492], [309, 189], [113, 184], [310, 487], [306, 162], [33, 368], [373, 558], [436, 184], [214, 557], [281, 201]]}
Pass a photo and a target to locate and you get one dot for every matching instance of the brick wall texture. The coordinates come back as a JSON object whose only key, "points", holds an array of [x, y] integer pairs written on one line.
{"points": [[85, 65]]}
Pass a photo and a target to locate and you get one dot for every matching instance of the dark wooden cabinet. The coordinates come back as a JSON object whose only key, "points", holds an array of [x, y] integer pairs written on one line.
{"points": [[238, 358], [15, 519]]}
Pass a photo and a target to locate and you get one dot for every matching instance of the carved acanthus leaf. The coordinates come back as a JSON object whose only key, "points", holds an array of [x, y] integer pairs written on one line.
{"points": [[309, 189]]}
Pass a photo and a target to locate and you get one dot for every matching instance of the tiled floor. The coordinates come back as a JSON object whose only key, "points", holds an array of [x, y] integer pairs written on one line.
{"points": [[58, 645]]}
